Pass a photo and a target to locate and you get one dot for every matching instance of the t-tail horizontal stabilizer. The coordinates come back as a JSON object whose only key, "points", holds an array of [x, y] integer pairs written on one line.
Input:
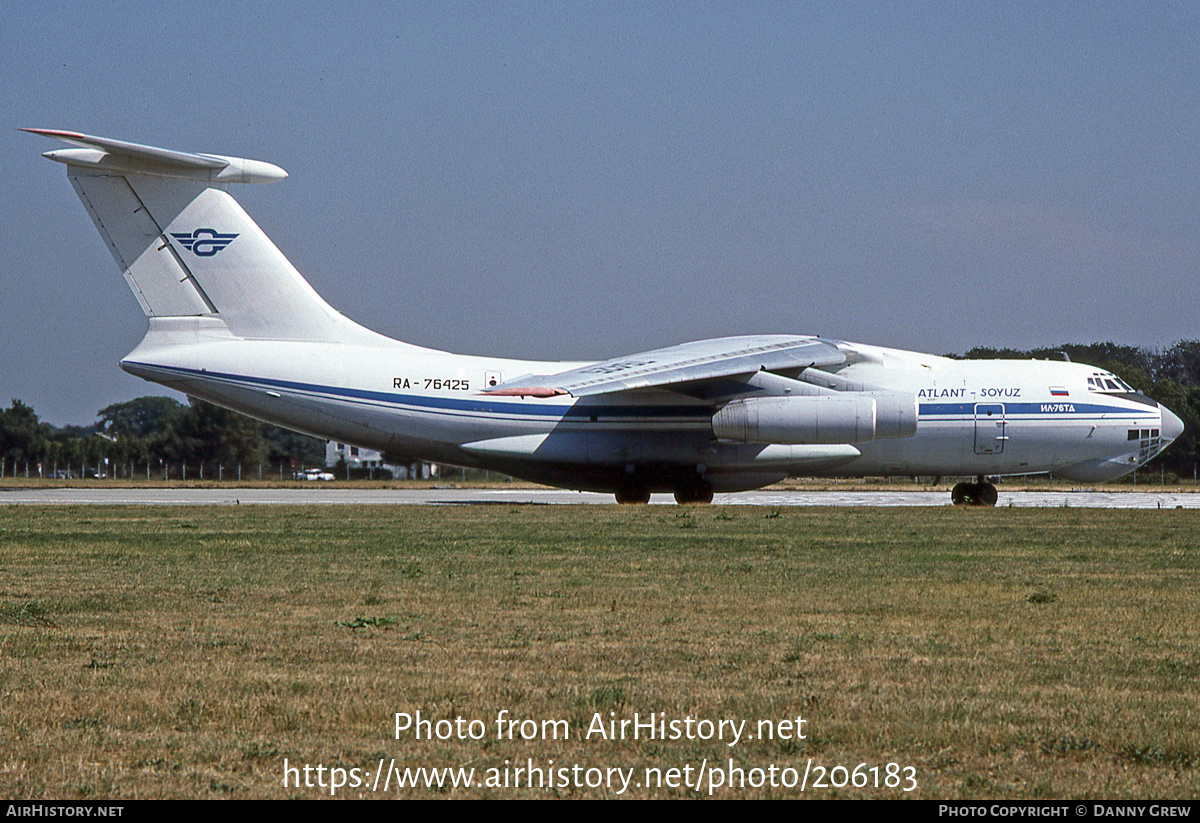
{"points": [[104, 154]]}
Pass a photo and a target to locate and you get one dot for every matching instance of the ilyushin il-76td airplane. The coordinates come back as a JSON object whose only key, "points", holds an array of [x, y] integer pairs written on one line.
{"points": [[231, 321]]}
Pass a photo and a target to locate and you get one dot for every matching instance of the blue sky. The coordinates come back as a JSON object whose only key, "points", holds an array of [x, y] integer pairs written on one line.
{"points": [[582, 180]]}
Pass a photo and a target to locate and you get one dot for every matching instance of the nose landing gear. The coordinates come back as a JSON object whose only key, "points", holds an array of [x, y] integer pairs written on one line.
{"points": [[979, 493]]}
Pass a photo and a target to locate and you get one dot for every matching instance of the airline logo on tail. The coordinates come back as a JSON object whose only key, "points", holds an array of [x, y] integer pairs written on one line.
{"points": [[204, 242]]}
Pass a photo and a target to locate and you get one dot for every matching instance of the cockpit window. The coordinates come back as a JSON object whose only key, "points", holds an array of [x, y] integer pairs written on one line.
{"points": [[1109, 383]]}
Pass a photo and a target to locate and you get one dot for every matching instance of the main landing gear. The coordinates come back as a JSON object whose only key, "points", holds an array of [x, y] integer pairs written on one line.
{"points": [[698, 493], [687, 493], [636, 495], [979, 493]]}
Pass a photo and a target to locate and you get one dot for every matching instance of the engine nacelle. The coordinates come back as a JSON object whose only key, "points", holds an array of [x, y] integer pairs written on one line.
{"points": [[846, 417], [895, 414]]}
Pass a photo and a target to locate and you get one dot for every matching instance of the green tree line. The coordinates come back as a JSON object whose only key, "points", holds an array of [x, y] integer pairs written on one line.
{"points": [[151, 433]]}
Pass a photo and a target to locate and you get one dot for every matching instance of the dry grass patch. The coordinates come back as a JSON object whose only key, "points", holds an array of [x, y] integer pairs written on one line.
{"points": [[185, 652]]}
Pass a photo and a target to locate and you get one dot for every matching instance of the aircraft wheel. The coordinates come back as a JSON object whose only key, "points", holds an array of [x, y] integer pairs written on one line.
{"points": [[961, 495], [701, 494], [633, 496], [974, 494]]}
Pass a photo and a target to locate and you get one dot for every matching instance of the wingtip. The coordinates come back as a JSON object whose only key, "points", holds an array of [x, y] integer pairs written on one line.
{"points": [[66, 135]]}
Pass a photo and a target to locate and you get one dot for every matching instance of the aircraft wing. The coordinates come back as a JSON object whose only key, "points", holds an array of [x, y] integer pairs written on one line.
{"points": [[685, 363]]}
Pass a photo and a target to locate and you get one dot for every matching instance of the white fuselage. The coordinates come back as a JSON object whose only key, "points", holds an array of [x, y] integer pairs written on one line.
{"points": [[984, 418]]}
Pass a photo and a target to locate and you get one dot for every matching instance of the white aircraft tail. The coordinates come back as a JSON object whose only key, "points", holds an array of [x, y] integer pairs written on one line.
{"points": [[186, 247]]}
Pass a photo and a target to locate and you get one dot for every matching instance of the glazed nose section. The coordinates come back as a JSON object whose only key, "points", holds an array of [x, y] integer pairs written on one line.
{"points": [[1172, 426]]}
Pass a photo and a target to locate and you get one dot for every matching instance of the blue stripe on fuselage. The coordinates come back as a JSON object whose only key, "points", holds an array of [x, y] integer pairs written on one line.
{"points": [[435, 403], [479, 405], [1051, 407]]}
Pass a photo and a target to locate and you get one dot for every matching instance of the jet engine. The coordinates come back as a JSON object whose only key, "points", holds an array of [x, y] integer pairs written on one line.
{"points": [[845, 417]]}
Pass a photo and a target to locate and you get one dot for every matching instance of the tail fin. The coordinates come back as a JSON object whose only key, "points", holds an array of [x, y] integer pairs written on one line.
{"points": [[187, 248]]}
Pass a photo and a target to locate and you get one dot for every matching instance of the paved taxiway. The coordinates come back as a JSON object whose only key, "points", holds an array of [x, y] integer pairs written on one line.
{"points": [[334, 496]]}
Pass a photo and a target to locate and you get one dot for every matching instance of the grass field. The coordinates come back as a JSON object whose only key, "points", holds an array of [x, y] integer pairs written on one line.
{"points": [[186, 652]]}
